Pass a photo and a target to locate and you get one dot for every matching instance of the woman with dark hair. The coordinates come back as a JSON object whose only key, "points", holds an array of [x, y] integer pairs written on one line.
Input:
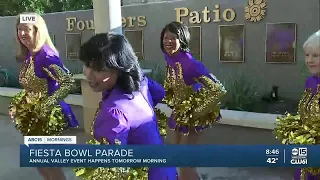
{"points": [[192, 92], [125, 114]]}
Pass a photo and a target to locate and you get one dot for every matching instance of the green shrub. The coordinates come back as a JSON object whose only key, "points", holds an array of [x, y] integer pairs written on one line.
{"points": [[77, 70], [241, 94], [158, 74], [77, 89], [158, 71], [10, 80]]}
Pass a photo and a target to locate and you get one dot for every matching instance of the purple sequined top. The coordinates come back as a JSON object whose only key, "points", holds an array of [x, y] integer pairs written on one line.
{"points": [[190, 66], [312, 82]]}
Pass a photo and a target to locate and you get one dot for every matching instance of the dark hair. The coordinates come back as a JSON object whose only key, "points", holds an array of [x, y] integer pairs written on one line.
{"points": [[109, 50], [182, 33]]}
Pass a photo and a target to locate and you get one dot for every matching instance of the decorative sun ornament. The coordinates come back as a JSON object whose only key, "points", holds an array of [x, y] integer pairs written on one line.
{"points": [[255, 10]]}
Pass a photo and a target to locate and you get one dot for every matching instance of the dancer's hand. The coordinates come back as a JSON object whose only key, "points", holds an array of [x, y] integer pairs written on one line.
{"points": [[11, 114]]}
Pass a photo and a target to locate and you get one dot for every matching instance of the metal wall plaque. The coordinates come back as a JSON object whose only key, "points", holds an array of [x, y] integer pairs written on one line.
{"points": [[196, 42], [231, 43], [73, 43], [280, 43], [53, 38], [136, 39]]}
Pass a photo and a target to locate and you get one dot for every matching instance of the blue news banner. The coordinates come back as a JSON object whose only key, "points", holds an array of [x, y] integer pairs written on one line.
{"points": [[169, 155]]}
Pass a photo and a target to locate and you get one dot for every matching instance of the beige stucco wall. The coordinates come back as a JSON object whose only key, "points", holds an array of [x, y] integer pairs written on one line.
{"points": [[133, 2]]}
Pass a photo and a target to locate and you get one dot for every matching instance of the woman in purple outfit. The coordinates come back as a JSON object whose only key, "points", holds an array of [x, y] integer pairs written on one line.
{"points": [[192, 92], [125, 114], [39, 109], [308, 118]]}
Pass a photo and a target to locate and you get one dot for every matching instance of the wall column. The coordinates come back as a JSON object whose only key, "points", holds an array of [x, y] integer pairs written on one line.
{"points": [[107, 17]]}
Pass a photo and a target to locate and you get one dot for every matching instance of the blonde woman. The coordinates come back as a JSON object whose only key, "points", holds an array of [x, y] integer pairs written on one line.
{"points": [[39, 109], [305, 125]]}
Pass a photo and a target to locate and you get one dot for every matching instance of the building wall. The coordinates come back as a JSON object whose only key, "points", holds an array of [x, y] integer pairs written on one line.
{"points": [[132, 2], [287, 76]]}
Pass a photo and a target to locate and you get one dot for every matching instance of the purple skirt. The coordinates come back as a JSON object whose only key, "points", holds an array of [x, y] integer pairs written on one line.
{"points": [[68, 114], [308, 176]]}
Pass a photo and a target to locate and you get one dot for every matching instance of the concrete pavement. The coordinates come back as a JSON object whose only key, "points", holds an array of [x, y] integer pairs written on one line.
{"points": [[10, 140]]}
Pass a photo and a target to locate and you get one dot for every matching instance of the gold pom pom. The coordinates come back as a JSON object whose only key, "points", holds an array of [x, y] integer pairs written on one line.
{"points": [[291, 129], [162, 122], [115, 173], [111, 173], [193, 109], [32, 119]]}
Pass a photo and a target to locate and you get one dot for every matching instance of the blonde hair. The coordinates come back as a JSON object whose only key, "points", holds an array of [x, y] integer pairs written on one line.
{"points": [[42, 37], [313, 41]]}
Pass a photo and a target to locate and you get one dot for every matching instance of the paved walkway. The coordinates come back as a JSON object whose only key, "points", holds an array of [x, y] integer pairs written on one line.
{"points": [[10, 140]]}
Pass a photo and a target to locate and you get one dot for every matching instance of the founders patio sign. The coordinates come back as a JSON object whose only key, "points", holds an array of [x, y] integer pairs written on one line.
{"points": [[255, 11], [231, 44], [135, 37], [75, 24], [205, 15], [195, 17]]}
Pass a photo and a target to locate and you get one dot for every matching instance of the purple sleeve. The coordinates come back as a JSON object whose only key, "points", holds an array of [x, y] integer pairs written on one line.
{"points": [[49, 59], [112, 126], [200, 70], [55, 72], [60, 81], [49, 66], [156, 90]]}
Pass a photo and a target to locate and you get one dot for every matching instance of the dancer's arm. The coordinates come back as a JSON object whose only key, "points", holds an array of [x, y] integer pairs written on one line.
{"points": [[209, 91], [156, 90], [60, 81]]}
